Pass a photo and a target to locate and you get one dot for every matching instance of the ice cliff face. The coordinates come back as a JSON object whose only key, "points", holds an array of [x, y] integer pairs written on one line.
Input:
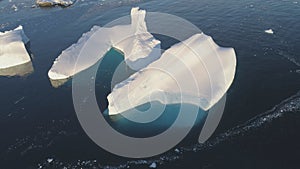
{"points": [[139, 47], [196, 71], [12, 48]]}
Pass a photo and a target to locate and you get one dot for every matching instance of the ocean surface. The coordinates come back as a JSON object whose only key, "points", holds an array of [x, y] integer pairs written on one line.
{"points": [[261, 123]]}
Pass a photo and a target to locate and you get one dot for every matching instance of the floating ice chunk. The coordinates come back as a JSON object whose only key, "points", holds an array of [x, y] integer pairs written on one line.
{"points": [[49, 160], [177, 150], [195, 71], [14, 7], [153, 165], [139, 47], [49, 3], [269, 31], [12, 49]]}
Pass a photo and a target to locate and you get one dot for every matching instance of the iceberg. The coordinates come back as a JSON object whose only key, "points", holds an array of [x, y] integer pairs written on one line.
{"points": [[196, 71], [14, 58], [140, 48], [49, 3], [269, 31]]}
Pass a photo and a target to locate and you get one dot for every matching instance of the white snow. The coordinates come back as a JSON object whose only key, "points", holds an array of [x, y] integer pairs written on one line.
{"points": [[196, 71], [139, 47], [12, 48], [48, 3], [269, 31]]}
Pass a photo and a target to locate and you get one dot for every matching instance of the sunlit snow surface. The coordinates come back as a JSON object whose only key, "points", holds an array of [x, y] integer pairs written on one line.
{"points": [[14, 58], [196, 71], [139, 47]]}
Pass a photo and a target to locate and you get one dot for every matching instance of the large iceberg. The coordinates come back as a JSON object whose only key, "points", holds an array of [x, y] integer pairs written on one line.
{"points": [[12, 51], [196, 71], [140, 48]]}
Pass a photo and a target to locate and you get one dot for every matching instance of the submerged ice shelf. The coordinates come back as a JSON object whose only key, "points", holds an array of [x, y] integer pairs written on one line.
{"points": [[13, 53], [196, 71], [139, 47]]}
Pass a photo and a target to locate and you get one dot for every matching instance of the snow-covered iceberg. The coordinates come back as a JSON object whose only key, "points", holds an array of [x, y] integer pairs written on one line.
{"points": [[196, 71], [140, 48], [49, 3], [13, 52]]}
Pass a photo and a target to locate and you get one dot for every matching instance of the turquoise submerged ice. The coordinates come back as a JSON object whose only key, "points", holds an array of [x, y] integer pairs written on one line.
{"points": [[139, 47]]}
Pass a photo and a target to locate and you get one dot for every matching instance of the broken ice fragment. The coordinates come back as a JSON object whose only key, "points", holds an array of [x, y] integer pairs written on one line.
{"points": [[269, 31]]}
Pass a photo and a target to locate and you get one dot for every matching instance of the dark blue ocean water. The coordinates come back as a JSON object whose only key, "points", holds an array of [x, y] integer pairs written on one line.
{"points": [[38, 122]]}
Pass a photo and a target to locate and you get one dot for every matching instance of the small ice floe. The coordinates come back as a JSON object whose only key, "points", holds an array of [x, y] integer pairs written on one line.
{"points": [[50, 3], [177, 150], [14, 59], [14, 7], [153, 165], [49, 160], [269, 31]]}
